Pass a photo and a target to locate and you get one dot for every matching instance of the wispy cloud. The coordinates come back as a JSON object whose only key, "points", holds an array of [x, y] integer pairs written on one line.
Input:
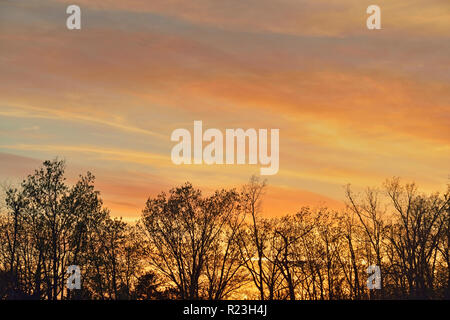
{"points": [[351, 105]]}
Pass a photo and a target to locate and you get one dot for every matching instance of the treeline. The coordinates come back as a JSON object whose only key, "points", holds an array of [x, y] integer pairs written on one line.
{"points": [[190, 246]]}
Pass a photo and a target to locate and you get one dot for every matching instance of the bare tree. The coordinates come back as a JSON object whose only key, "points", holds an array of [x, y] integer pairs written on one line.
{"points": [[369, 213], [252, 242], [416, 234], [183, 230]]}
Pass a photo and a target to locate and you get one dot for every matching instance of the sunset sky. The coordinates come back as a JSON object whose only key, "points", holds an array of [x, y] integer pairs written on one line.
{"points": [[353, 105]]}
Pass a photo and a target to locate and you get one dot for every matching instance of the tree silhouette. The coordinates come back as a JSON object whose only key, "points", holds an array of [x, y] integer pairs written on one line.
{"points": [[190, 246]]}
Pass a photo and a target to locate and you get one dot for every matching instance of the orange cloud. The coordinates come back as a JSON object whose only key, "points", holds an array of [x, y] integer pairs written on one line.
{"points": [[351, 105]]}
